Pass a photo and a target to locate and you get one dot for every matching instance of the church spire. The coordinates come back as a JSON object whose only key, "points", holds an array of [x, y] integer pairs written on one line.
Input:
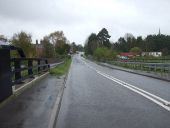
{"points": [[159, 32]]}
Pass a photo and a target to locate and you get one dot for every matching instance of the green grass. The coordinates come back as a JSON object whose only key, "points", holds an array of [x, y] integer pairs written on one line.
{"points": [[62, 68]]}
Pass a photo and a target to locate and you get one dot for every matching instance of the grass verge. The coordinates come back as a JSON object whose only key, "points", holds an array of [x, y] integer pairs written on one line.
{"points": [[62, 68]]}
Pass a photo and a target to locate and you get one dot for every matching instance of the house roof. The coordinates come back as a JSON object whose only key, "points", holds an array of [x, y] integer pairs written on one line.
{"points": [[127, 54]]}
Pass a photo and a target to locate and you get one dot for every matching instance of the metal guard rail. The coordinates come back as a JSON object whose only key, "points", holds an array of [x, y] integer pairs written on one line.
{"points": [[165, 67]]}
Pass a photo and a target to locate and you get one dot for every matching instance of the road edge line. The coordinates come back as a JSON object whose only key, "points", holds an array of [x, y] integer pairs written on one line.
{"points": [[56, 109]]}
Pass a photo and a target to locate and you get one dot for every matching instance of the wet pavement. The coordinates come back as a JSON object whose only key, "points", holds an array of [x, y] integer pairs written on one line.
{"points": [[156, 86], [93, 101], [32, 108]]}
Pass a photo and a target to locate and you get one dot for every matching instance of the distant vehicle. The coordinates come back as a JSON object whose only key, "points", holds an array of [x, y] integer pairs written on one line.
{"points": [[124, 57]]}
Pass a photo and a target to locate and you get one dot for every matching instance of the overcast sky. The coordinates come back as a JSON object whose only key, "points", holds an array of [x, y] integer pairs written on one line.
{"points": [[79, 18]]}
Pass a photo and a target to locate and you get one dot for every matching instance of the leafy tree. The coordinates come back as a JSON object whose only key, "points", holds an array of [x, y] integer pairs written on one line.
{"points": [[165, 51], [152, 43], [63, 49], [104, 53], [66, 48], [56, 37], [136, 50], [80, 47], [23, 40], [48, 48], [73, 47], [3, 38], [59, 41]]}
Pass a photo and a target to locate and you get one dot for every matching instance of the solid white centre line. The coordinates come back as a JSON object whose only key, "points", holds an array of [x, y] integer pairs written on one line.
{"points": [[156, 99]]}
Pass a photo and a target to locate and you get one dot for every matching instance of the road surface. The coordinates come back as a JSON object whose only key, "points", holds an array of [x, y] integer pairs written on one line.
{"points": [[99, 97]]}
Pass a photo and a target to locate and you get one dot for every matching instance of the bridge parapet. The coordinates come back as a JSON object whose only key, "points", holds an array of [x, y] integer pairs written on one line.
{"points": [[15, 70]]}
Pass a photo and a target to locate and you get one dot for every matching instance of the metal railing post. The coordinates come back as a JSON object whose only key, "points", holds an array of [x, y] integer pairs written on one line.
{"points": [[39, 68], [44, 67], [30, 67], [46, 62], [17, 66]]}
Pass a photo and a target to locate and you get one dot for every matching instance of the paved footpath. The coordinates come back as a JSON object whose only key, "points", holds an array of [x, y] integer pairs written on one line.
{"points": [[32, 108]]}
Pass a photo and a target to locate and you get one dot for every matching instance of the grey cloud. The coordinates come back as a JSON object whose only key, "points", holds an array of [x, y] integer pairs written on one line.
{"points": [[78, 18], [39, 11]]}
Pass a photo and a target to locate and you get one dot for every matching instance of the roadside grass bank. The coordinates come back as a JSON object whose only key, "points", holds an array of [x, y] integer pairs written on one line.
{"points": [[61, 69]]}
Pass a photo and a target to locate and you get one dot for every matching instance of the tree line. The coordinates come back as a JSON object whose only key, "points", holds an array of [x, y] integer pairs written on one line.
{"points": [[53, 45], [152, 43], [99, 45]]}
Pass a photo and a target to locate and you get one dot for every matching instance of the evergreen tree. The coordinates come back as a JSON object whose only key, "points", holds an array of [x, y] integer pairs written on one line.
{"points": [[103, 38]]}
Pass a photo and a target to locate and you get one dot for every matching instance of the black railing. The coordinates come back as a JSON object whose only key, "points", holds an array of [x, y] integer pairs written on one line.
{"points": [[24, 68]]}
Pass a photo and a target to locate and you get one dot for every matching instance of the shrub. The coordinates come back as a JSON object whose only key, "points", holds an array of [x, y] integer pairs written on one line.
{"points": [[103, 53]]}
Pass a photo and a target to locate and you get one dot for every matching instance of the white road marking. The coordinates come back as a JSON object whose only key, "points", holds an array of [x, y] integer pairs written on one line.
{"points": [[156, 99]]}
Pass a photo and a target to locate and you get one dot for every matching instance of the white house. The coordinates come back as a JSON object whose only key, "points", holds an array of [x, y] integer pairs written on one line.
{"points": [[155, 54]]}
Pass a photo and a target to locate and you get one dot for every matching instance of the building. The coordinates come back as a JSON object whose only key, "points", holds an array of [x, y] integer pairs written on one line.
{"points": [[39, 49], [126, 55], [155, 54]]}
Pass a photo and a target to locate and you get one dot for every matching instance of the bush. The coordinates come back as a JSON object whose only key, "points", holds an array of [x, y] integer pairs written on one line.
{"points": [[136, 50], [103, 53]]}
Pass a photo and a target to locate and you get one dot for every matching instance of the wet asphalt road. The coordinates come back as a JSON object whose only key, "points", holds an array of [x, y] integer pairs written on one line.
{"points": [[32, 108], [93, 101]]}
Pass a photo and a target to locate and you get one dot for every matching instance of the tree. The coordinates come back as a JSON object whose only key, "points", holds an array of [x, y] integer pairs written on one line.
{"points": [[103, 38], [48, 48], [94, 41], [152, 43], [60, 42], [165, 51], [136, 50], [56, 37], [91, 44], [104, 53], [3, 38], [79, 47], [23, 40], [73, 47], [128, 36], [63, 49]]}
